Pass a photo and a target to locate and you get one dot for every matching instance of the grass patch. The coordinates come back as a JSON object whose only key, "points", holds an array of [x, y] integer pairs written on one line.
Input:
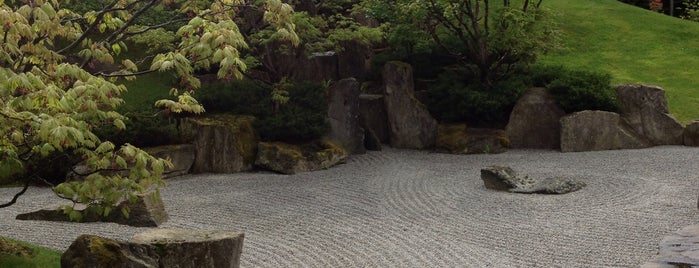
{"points": [[15, 253], [634, 45], [142, 93]]}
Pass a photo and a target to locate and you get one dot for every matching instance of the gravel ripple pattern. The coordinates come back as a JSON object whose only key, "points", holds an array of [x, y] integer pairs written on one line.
{"points": [[404, 208]]}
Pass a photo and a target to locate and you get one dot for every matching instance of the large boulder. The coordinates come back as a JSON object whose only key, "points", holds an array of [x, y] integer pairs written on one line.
{"points": [[290, 159], [147, 210], [458, 139], [181, 156], [680, 249], [157, 248], [691, 134], [535, 121], [224, 143], [645, 110], [343, 112], [188, 248], [597, 130], [411, 125]]}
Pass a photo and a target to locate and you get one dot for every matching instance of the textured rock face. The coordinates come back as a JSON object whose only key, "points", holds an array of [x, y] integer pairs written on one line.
{"points": [[458, 139], [188, 248], [597, 130], [499, 178], [411, 125], [343, 112], [182, 158], [535, 121], [224, 143], [506, 179], [372, 111], [645, 110], [290, 159], [158, 248], [680, 249], [147, 211], [691, 134]]}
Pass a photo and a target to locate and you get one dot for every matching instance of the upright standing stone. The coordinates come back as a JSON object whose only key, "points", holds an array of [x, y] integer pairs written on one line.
{"points": [[535, 121], [411, 125], [597, 130], [224, 143], [343, 112], [645, 110]]}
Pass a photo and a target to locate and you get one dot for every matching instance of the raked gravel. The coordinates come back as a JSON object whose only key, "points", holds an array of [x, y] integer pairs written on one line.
{"points": [[405, 208]]}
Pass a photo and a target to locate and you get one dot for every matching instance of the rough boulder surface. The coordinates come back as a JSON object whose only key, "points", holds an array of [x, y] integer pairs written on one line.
{"points": [[182, 158], [645, 109], [290, 159], [680, 249], [535, 121], [146, 211], [158, 248], [596, 131], [343, 114], [503, 178], [458, 139], [224, 143], [691, 134], [411, 125]]}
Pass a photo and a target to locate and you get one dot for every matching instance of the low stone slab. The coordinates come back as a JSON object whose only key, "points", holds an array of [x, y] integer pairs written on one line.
{"points": [[146, 211], [458, 139], [290, 159], [503, 178], [680, 249], [158, 248], [189, 248]]}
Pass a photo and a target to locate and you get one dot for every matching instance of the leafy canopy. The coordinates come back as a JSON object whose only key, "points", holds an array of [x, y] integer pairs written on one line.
{"points": [[60, 73]]}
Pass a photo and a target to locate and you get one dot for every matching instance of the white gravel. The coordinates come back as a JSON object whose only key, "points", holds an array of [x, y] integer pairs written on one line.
{"points": [[403, 208]]}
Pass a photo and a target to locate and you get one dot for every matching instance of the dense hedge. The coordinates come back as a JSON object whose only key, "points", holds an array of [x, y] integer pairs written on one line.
{"points": [[577, 90], [302, 118], [456, 98]]}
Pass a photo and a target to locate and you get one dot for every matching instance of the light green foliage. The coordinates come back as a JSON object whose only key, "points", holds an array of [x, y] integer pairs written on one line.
{"points": [[55, 89]]}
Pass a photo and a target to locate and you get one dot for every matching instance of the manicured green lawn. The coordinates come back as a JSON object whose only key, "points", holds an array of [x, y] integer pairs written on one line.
{"points": [[634, 45], [40, 258]]}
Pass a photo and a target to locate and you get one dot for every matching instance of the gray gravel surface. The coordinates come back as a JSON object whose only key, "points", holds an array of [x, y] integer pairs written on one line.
{"points": [[403, 208]]}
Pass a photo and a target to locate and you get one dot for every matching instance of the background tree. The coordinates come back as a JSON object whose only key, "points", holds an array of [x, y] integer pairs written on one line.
{"points": [[491, 38], [60, 80]]}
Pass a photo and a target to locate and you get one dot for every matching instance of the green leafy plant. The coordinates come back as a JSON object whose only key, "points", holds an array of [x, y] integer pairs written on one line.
{"points": [[60, 81]]}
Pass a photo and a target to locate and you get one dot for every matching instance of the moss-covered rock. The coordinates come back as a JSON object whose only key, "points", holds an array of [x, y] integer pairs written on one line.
{"points": [[147, 210], [458, 139], [225, 143], [290, 158]]}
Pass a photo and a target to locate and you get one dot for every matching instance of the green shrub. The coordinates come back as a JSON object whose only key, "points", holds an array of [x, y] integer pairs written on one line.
{"points": [[302, 118], [144, 128], [577, 90], [456, 98]]}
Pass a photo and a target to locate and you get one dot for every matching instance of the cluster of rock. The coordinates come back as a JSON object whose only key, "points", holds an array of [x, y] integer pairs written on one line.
{"points": [[643, 121], [158, 248], [502, 178]]}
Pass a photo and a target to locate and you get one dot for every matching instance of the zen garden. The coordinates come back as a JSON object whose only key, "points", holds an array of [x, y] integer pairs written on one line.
{"points": [[349, 133]]}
